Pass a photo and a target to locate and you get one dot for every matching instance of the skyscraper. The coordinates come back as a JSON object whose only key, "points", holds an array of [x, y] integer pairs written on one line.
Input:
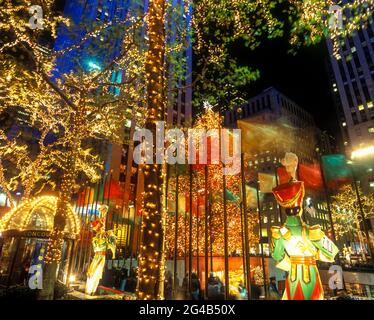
{"points": [[352, 73]]}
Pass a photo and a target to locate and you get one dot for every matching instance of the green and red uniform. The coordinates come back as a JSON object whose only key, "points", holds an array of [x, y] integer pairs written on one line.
{"points": [[296, 246]]}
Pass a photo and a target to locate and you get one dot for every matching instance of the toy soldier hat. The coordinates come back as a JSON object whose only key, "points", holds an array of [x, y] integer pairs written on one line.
{"points": [[290, 195], [97, 221]]}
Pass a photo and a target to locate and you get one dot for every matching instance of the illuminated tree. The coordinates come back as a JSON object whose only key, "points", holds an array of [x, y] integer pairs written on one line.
{"points": [[313, 20], [258, 275], [208, 119], [73, 109], [219, 25], [150, 272], [346, 212]]}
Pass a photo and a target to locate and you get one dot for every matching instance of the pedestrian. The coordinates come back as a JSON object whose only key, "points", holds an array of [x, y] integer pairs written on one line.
{"points": [[168, 286], [195, 287], [273, 290], [185, 286], [130, 285], [342, 295], [124, 276], [243, 294], [255, 291]]}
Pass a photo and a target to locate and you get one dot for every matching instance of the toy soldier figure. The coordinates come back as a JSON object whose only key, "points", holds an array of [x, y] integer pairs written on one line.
{"points": [[296, 246], [102, 241]]}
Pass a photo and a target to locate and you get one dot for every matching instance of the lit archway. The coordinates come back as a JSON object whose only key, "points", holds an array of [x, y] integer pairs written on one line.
{"points": [[24, 233], [37, 215]]}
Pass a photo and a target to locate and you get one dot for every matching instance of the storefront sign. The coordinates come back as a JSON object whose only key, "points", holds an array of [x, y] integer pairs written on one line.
{"points": [[41, 234]]}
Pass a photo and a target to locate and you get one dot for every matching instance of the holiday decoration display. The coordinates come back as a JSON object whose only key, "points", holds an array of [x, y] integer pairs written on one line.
{"points": [[102, 241], [296, 246]]}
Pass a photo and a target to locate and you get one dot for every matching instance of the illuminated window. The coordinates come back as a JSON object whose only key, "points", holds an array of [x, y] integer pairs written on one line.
{"points": [[371, 130], [370, 104], [361, 107]]}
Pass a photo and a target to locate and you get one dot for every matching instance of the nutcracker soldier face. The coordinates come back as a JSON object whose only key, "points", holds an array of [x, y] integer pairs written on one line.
{"points": [[99, 223], [290, 195], [290, 162]]}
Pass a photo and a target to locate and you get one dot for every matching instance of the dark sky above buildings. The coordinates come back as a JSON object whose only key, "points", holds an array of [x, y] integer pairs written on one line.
{"points": [[302, 77]]}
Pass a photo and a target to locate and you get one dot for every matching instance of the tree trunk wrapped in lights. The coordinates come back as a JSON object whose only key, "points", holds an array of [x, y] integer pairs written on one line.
{"points": [[53, 256], [150, 272]]}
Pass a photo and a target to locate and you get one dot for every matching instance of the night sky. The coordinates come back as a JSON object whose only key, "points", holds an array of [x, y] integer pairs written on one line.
{"points": [[302, 77]]}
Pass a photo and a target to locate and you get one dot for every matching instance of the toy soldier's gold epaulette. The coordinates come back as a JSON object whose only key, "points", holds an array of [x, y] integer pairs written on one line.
{"points": [[275, 232], [315, 233], [285, 232]]}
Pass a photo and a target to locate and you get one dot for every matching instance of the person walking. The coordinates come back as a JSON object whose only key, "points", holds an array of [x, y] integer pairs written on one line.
{"points": [[185, 286], [124, 275], [273, 290], [168, 286], [195, 287]]}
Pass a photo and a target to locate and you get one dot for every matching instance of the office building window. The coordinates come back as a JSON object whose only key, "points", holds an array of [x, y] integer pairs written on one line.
{"points": [[342, 71], [368, 56], [357, 92], [365, 89], [350, 41], [350, 69], [363, 116], [349, 96], [370, 32], [354, 118], [361, 36], [356, 60]]}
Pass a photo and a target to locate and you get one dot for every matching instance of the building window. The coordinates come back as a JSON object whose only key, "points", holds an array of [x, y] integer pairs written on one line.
{"points": [[349, 96], [365, 89], [350, 69], [368, 56], [371, 130], [342, 71]]}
